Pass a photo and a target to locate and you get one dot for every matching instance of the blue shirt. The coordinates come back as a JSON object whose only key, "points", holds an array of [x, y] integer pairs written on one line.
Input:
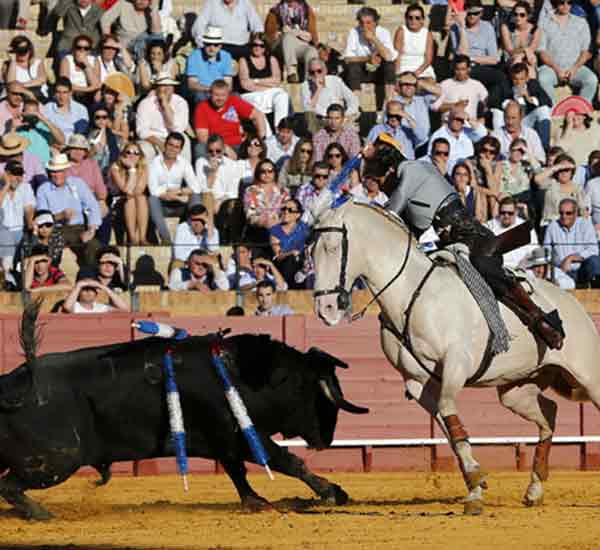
{"points": [[294, 241], [399, 134], [579, 239], [482, 43], [74, 194], [76, 121], [418, 108], [206, 70]]}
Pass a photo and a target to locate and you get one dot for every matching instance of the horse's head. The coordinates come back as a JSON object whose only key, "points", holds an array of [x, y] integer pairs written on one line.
{"points": [[333, 266]]}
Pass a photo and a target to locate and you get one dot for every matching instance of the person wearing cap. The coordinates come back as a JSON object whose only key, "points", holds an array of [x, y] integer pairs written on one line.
{"points": [[208, 63], [237, 18], [423, 198], [222, 114], [39, 275], [574, 245], [320, 90], [172, 184], [532, 98], [291, 28], [564, 51], [83, 297], [417, 96], [477, 39], [64, 112], [17, 205], [158, 115], [461, 90], [74, 206], [87, 169], [538, 264], [41, 133], [197, 231], [369, 54], [395, 115], [135, 21], [203, 272]]}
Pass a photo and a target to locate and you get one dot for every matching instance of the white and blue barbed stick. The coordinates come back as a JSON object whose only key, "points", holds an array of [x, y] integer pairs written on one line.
{"points": [[240, 412], [172, 393]]}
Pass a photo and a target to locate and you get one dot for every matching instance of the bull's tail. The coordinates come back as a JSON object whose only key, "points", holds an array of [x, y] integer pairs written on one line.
{"points": [[29, 332]]}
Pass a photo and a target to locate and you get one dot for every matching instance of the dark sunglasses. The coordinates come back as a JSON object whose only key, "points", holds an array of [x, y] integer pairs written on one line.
{"points": [[131, 152], [198, 220], [258, 45], [461, 120], [288, 210], [478, 12], [441, 153], [334, 156], [507, 212], [316, 71], [83, 47], [393, 116], [100, 117], [215, 151], [521, 14], [266, 171], [414, 18], [566, 212], [565, 2], [518, 150], [489, 150], [110, 48], [46, 225], [41, 261], [256, 144], [104, 262], [307, 151], [321, 176]]}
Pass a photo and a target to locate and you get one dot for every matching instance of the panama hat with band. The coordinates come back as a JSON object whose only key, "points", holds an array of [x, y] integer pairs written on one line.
{"points": [[538, 256], [13, 144], [58, 163], [212, 35]]}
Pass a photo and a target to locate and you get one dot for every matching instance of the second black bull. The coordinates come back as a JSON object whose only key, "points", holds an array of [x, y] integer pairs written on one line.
{"points": [[96, 406]]}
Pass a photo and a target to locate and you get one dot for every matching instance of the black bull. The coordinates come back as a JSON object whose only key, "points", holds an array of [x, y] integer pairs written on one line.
{"points": [[96, 406]]}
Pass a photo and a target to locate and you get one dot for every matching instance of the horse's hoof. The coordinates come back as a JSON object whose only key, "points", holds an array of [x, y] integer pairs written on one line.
{"points": [[473, 507], [255, 504], [336, 495], [476, 478], [532, 502]]}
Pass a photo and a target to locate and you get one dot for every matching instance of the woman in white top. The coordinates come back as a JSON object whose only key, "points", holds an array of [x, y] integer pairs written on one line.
{"points": [[156, 62], [23, 67], [414, 43], [82, 69], [113, 58]]}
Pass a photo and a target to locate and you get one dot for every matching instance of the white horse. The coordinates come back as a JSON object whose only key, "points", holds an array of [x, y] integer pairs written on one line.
{"points": [[436, 335]]}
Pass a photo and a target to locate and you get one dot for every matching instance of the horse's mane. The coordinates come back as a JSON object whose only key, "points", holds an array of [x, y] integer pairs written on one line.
{"points": [[387, 214]]}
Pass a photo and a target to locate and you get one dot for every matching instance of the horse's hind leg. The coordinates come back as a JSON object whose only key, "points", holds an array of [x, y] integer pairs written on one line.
{"points": [[527, 401], [12, 491]]}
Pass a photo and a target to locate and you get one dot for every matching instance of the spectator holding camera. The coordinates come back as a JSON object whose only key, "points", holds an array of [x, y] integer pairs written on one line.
{"points": [[83, 296], [23, 67], [265, 296], [203, 273], [39, 273]]}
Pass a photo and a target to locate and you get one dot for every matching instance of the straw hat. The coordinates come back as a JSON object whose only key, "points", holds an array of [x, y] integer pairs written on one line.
{"points": [[12, 144], [121, 83], [77, 141], [538, 256], [212, 35], [165, 80], [58, 163]]}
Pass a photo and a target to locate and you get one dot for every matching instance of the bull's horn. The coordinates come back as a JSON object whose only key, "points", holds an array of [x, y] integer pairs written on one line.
{"points": [[334, 395]]}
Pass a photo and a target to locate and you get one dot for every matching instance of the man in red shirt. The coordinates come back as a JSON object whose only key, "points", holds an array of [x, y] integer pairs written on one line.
{"points": [[222, 114]]}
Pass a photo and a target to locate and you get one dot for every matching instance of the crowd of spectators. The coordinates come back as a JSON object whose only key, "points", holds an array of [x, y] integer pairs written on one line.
{"points": [[140, 118]]}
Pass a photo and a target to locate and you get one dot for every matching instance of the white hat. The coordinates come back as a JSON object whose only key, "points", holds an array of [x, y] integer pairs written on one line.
{"points": [[538, 256], [41, 219], [58, 163], [77, 141], [165, 80], [212, 35]]}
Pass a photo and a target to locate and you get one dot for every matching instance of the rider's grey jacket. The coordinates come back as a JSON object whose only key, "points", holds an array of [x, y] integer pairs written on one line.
{"points": [[420, 190]]}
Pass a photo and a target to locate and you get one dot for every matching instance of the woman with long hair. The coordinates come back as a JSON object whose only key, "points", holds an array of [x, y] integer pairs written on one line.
{"points": [[260, 79], [297, 170], [335, 156], [82, 69], [463, 181], [485, 171], [112, 58], [104, 143], [128, 181], [24, 67], [252, 151], [156, 62], [520, 37], [579, 136]]}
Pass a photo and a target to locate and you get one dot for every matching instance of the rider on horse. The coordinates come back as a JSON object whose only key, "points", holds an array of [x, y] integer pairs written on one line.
{"points": [[423, 199]]}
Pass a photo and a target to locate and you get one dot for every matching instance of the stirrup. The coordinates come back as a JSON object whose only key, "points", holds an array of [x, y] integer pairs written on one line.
{"points": [[554, 320]]}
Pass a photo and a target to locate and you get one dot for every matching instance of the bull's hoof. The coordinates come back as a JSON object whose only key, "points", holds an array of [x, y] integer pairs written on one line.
{"points": [[531, 502], [336, 495], [473, 507], [255, 503]]}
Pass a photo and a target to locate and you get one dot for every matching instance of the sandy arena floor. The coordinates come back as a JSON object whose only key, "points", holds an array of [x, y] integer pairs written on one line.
{"points": [[388, 511]]}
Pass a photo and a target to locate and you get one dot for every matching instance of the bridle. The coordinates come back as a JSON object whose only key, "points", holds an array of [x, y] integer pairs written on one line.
{"points": [[343, 298]]}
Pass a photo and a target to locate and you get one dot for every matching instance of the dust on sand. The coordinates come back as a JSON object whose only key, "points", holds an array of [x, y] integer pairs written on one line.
{"points": [[387, 511]]}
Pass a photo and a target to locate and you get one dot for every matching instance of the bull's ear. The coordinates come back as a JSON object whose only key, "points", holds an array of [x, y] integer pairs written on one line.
{"points": [[327, 358]]}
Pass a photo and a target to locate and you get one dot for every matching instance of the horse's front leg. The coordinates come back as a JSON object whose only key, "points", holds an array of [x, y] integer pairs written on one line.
{"points": [[456, 366]]}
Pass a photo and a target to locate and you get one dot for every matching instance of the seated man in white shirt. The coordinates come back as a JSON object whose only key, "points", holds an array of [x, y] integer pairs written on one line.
{"points": [[203, 272], [82, 299], [265, 296], [538, 264], [169, 196], [197, 231], [218, 174], [507, 219], [281, 145]]}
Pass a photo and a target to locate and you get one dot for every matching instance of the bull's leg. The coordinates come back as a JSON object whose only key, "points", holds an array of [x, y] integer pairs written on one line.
{"points": [[105, 474], [456, 365], [528, 402], [12, 491], [281, 460], [251, 500]]}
